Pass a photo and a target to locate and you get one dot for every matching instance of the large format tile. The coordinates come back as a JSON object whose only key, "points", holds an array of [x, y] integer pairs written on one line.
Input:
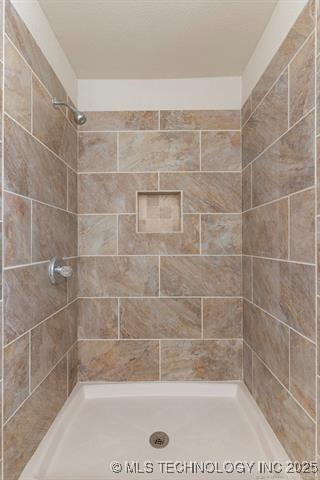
{"points": [[97, 234], [286, 167], [97, 318], [221, 234], [302, 226], [222, 317], [118, 276], [54, 232], [16, 374], [201, 360], [246, 110], [268, 122], [50, 341], [265, 230], [72, 282], [206, 192], [200, 119], [295, 38], [26, 429], [247, 366], [200, 276], [247, 277], [72, 367], [293, 427], [17, 84], [97, 152], [17, 230], [30, 169], [113, 192], [29, 298], [133, 243], [160, 318], [72, 191], [139, 120], [303, 371], [25, 43], [302, 84], [246, 188], [155, 151], [287, 291], [220, 151], [51, 127], [118, 360], [269, 339]]}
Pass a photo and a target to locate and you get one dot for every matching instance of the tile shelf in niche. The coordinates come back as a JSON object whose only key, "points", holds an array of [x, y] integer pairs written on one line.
{"points": [[159, 212]]}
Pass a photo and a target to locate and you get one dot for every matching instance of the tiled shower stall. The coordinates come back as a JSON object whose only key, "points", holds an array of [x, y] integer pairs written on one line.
{"points": [[194, 258]]}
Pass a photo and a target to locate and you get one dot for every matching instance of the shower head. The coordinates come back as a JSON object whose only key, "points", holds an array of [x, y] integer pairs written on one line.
{"points": [[79, 117]]}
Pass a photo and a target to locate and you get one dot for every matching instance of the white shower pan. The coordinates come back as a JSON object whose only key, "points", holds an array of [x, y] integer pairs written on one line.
{"points": [[213, 428]]}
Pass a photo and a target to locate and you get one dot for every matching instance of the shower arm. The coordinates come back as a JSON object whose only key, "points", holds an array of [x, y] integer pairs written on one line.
{"points": [[58, 103], [79, 117]]}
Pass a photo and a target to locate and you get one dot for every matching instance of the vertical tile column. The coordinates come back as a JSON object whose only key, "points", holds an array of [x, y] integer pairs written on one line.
{"points": [[40, 221], [279, 265]]}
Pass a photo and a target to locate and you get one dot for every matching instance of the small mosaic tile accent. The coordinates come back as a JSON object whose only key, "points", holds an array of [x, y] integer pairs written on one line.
{"points": [[159, 212]]}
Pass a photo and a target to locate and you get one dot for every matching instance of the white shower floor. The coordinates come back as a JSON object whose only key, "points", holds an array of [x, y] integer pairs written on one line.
{"points": [[208, 424]]}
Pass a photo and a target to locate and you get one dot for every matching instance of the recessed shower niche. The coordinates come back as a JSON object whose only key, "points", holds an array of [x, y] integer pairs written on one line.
{"points": [[159, 212]]}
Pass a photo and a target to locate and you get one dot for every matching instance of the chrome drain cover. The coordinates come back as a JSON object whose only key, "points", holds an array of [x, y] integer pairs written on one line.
{"points": [[159, 440]]}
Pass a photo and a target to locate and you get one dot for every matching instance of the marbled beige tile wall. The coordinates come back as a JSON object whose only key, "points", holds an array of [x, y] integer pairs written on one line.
{"points": [[40, 221], [158, 303], [279, 262]]}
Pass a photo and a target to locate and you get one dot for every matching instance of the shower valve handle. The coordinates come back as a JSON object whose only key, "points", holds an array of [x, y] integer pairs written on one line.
{"points": [[65, 271], [58, 270]]}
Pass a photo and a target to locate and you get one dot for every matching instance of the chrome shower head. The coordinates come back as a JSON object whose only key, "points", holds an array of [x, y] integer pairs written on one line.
{"points": [[79, 117]]}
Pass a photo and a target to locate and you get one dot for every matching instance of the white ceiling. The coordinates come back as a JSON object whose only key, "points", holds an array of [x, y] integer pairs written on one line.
{"points": [[158, 38]]}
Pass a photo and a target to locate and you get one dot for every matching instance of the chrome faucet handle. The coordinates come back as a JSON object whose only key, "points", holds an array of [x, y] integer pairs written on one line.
{"points": [[65, 271], [58, 270]]}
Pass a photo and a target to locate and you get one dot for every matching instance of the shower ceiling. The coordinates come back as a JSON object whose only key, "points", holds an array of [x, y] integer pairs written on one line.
{"points": [[158, 38]]}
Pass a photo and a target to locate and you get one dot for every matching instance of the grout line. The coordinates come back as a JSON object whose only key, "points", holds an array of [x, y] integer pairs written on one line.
{"points": [[301, 119], [156, 297], [169, 339], [39, 201], [6, 114], [277, 78], [67, 305], [158, 172], [288, 195], [164, 130], [285, 388], [282, 322], [38, 386]]}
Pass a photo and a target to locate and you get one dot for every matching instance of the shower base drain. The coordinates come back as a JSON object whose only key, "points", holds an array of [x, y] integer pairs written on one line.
{"points": [[159, 440]]}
